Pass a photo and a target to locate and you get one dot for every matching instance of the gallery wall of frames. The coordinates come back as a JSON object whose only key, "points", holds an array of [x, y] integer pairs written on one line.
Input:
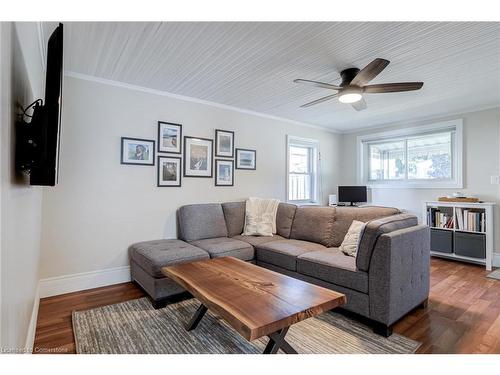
{"points": [[188, 156]]}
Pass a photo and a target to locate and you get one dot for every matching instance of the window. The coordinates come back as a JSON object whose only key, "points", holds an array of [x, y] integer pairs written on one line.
{"points": [[302, 176], [429, 156]]}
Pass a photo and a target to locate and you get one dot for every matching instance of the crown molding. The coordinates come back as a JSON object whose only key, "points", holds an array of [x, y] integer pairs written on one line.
{"points": [[191, 99], [421, 120]]}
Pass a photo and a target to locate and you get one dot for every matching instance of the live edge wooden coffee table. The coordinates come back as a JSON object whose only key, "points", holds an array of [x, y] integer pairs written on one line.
{"points": [[256, 302]]}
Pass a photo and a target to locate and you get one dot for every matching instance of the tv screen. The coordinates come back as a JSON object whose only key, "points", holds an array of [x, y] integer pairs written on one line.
{"points": [[46, 121], [352, 194]]}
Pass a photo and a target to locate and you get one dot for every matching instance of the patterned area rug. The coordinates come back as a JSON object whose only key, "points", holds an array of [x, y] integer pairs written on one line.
{"points": [[136, 327], [494, 274]]}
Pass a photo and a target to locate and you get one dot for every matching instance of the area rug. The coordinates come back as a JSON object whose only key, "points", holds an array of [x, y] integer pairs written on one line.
{"points": [[495, 274], [135, 327]]}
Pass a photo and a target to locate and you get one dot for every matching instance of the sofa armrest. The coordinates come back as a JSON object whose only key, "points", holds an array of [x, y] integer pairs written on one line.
{"points": [[399, 273]]}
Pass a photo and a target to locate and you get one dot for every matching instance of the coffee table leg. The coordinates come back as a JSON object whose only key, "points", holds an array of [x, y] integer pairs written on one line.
{"points": [[193, 323], [277, 341]]}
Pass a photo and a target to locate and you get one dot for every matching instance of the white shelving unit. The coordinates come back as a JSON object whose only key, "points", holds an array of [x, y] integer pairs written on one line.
{"points": [[488, 233]]}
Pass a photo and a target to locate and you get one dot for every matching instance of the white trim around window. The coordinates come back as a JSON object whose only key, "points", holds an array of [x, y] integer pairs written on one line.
{"points": [[456, 180], [313, 169]]}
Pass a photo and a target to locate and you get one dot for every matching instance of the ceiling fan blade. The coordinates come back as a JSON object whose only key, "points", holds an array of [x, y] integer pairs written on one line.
{"points": [[359, 105], [393, 87], [317, 84], [369, 72], [317, 101]]}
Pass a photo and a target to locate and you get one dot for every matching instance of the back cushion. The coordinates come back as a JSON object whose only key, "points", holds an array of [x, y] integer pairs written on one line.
{"points": [[314, 224], [374, 229], [284, 219], [234, 213], [345, 215], [200, 221]]}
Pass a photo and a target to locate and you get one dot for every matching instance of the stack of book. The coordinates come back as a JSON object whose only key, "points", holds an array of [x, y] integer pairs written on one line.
{"points": [[473, 221], [439, 219]]}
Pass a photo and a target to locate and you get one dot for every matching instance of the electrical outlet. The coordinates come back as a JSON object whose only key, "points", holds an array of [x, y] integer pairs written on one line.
{"points": [[495, 180]]}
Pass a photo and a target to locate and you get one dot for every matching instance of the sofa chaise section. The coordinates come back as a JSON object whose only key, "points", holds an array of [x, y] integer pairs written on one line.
{"points": [[147, 258]]}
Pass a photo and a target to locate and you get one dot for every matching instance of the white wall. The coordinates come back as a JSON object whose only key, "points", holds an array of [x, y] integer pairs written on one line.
{"points": [[481, 160], [101, 207], [20, 204]]}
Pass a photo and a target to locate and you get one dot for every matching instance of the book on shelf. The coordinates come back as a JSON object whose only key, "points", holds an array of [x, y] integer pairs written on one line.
{"points": [[469, 220], [431, 216], [460, 219], [438, 219]]}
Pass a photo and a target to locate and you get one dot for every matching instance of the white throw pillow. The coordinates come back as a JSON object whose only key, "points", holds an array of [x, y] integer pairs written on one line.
{"points": [[351, 240], [260, 217], [259, 225]]}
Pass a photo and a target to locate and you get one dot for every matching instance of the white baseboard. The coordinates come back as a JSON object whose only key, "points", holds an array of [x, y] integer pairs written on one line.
{"points": [[54, 286], [30, 336]]}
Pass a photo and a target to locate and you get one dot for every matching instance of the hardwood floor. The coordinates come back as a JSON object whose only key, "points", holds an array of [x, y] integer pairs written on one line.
{"points": [[54, 330], [463, 315]]}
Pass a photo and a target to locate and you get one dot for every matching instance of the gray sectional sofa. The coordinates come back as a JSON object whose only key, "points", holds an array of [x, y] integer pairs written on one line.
{"points": [[388, 278]]}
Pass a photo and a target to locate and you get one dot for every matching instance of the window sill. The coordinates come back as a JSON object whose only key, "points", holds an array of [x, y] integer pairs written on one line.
{"points": [[416, 186]]}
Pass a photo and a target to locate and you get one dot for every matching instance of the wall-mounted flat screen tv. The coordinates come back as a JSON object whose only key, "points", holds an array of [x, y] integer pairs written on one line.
{"points": [[45, 126]]}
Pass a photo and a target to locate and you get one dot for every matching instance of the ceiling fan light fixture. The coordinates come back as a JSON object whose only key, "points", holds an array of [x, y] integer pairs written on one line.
{"points": [[355, 84], [350, 95]]}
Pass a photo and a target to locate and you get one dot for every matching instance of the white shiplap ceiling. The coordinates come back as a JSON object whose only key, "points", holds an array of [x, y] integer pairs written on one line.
{"points": [[252, 65]]}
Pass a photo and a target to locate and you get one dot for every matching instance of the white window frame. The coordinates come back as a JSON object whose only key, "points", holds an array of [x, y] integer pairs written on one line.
{"points": [[315, 168], [456, 182]]}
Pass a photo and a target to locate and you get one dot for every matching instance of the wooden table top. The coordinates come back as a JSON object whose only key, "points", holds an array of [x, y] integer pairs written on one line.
{"points": [[253, 300]]}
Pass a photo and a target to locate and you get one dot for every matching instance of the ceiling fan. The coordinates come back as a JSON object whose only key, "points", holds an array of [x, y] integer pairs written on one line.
{"points": [[354, 85]]}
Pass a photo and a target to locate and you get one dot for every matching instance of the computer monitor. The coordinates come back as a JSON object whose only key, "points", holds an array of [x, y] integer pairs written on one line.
{"points": [[352, 194]]}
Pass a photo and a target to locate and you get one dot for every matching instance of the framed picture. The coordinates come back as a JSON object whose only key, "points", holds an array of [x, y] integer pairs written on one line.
{"points": [[198, 157], [224, 143], [169, 137], [246, 159], [169, 171], [224, 172], [136, 151]]}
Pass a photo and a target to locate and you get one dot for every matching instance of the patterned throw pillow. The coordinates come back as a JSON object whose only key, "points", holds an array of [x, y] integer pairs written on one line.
{"points": [[351, 240]]}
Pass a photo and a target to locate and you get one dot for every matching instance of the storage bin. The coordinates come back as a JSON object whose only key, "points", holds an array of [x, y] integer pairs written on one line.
{"points": [[441, 240], [470, 245]]}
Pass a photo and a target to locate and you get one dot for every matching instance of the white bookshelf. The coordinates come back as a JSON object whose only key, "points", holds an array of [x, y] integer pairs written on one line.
{"points": [[488, 232]]}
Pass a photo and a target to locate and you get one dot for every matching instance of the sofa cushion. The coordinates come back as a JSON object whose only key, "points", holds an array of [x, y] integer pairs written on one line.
{"points": [[226, 247], [257, 240], [335, 267], [151, 256], [314, 224], [234, 214], [284, 219], [283, 253], [374, 229], [345, 215], [200, 221]]}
